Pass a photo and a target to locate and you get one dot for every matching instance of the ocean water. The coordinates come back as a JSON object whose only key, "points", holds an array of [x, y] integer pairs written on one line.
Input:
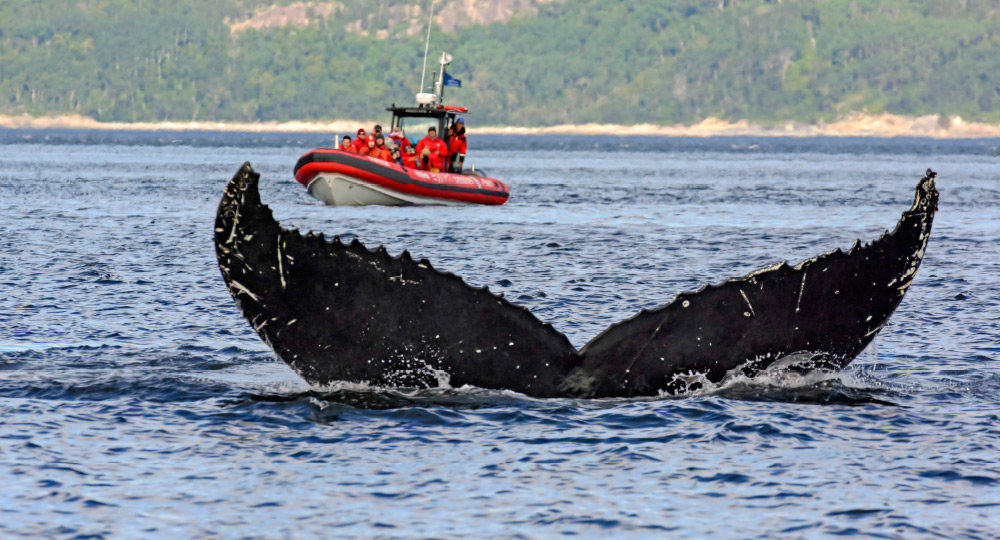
{"points": [[136, 402]]}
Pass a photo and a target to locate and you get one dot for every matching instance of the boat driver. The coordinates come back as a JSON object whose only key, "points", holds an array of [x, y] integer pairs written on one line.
{"points": [[457, 145]]}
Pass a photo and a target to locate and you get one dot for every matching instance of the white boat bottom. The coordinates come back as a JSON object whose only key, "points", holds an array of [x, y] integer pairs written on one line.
{"points": [[341, 190]]}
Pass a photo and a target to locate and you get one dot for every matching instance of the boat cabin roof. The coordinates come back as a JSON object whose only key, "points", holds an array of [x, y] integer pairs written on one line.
{"points": [[426, 112]]}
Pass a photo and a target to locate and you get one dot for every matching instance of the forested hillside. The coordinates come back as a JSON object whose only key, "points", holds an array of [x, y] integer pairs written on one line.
{"points": [[526, 62]]}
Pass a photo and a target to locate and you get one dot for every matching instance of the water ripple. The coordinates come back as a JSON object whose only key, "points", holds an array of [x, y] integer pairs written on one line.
{"points": [[135, 401]]}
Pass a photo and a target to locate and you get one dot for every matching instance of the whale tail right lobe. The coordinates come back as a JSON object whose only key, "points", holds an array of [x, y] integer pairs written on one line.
{"points": [[823, 311]]}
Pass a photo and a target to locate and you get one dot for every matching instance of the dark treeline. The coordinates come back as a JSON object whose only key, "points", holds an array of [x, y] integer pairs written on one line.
{"points": [[578, 61]]}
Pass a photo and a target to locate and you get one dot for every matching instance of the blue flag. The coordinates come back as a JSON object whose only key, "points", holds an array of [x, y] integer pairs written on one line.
{"points": [[451, 81]]}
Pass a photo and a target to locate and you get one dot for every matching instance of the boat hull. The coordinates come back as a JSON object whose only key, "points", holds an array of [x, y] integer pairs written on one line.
{"points": [[335, 189], [340, 178]]}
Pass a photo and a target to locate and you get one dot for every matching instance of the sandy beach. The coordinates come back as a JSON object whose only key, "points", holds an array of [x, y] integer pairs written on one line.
{"points": [[852, 125]]}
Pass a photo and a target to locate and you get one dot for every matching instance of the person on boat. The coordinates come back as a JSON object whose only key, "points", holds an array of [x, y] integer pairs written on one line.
{"points": [[377, 131], [432, 151], [345, 144], [369, 146], [359, 141], [397, 152], [398, 137], [410, 159], [449, 135], [457, 146], [379, 150]]}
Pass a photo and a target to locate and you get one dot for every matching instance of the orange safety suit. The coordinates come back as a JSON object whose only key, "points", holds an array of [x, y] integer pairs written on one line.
{"points": [[438, 153], [381, 152]]}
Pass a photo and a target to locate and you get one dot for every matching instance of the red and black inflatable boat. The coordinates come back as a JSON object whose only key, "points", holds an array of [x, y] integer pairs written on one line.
{"points": [[343, 178]]}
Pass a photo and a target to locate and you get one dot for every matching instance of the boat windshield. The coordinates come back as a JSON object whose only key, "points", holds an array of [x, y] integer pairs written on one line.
{"points": [[415, 127]]}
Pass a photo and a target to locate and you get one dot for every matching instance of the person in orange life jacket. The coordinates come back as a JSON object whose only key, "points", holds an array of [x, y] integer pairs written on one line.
{"points": [[345, 144], [410, 159], [432, 151], [457, 146], [377, 131], [368, 147], [359, 141], [379, 150]]}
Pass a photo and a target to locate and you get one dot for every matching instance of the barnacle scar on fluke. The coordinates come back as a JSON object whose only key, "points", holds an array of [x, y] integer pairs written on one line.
{"points": [[341, 312]]}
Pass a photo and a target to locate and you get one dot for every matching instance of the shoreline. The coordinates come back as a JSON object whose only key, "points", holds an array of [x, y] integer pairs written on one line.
{"points": [[852, 125]]}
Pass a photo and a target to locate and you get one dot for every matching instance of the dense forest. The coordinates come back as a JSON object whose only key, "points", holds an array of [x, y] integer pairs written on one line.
{"points": [[663, 61]]}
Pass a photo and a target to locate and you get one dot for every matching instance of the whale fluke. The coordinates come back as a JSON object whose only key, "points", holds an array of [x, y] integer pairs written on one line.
{"points": [[341, 312]]}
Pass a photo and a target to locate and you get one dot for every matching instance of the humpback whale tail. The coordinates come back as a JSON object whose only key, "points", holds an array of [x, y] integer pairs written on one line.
{"points": [[341, 312]]}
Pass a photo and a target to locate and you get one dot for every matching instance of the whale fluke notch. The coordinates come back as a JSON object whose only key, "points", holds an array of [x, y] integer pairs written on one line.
{"points": [[341, 312]]}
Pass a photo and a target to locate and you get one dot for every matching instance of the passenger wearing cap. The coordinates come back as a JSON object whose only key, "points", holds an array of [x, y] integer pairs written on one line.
{"points": [[433, 151], [409, 157], [379, 150], [457, 146], [359, 141]]}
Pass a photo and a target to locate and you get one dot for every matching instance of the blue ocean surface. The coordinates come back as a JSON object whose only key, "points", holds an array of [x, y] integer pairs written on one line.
{"points": [[136, 401]]}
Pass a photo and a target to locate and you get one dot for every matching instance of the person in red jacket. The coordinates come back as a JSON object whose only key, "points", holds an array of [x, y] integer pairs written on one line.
{"points": [[432, 151], [410, 159], [379, 150], [359, 141], [345, 144], [457, 146], [368, 147], [397, 136]]}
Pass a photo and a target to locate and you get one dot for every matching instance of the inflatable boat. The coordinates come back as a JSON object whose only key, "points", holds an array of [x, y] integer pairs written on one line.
{"points": [[340, 178]]}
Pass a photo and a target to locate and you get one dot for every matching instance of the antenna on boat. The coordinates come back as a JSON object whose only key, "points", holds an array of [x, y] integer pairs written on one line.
{"points": [[430, 22]]}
